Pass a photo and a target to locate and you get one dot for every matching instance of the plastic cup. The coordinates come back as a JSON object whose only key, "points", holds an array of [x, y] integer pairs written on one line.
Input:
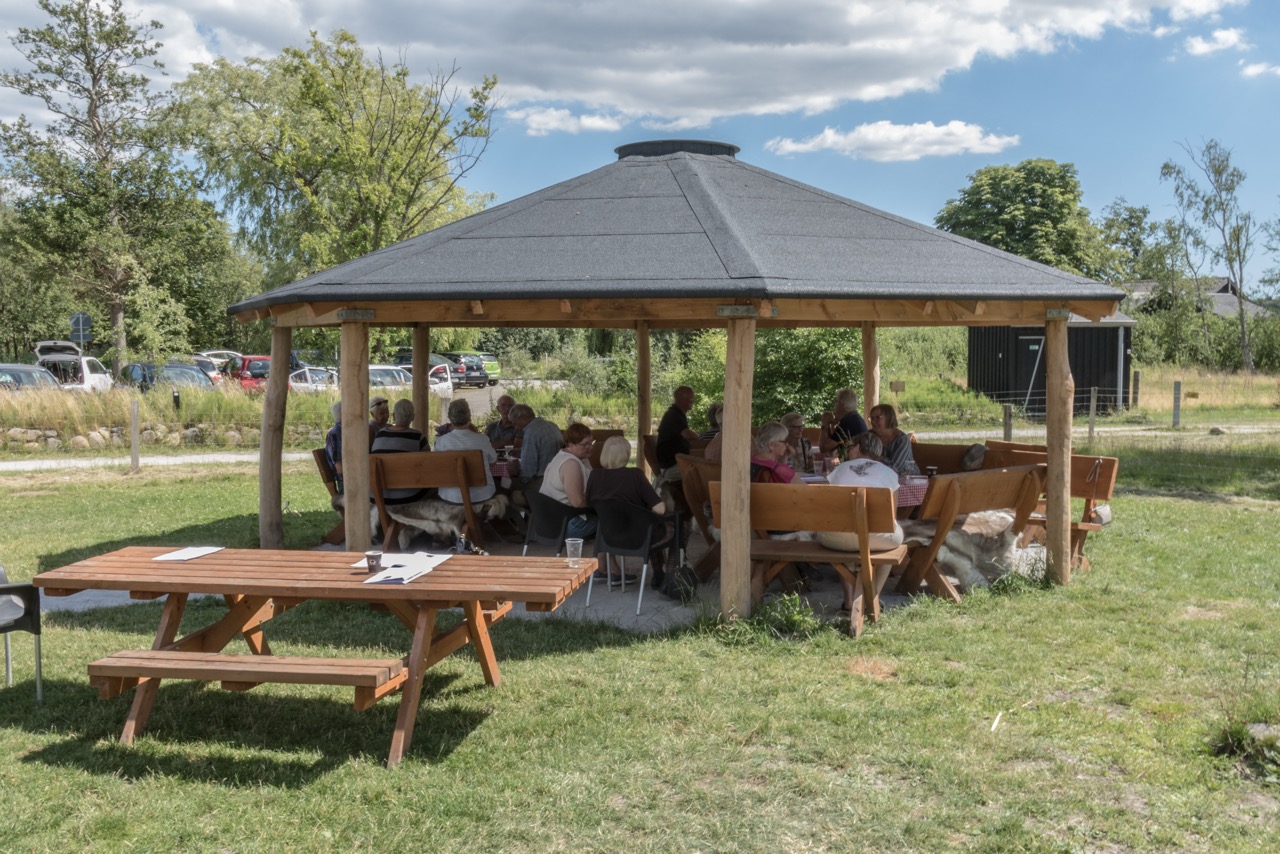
{"points": [[374, 559], [573, 550]]}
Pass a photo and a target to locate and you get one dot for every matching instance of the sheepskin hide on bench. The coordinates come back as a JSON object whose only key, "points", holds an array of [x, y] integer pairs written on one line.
{"points": [[438, 519], [979, 548]]}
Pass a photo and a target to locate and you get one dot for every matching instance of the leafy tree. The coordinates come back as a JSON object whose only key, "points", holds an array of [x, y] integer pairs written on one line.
{"points": [[796, 369], [28, 313], [103, 206], [325, 155], [1214, 218], [1033, 210]]}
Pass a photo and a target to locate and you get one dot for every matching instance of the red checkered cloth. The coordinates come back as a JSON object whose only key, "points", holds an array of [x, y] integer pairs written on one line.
{"points": [[911, 490]]}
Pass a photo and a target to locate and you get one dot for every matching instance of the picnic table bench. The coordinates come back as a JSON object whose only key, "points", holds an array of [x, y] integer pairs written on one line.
{"points": [[258, 585]]}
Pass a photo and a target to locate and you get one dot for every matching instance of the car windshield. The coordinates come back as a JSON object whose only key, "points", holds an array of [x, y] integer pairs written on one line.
{"points": [[388, 376], [258, 368], [15, 378], [184, 375]]}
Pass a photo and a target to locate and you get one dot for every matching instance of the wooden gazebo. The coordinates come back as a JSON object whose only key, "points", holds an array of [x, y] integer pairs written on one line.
{"points": [[675, 233]]}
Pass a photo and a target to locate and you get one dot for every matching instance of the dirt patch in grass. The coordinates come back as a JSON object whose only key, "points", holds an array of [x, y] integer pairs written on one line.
{"points": [[1196, 613], [877, 669]]}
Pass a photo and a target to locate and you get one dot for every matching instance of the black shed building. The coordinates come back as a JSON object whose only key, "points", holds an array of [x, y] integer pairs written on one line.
{"points": [[1006, 363]]}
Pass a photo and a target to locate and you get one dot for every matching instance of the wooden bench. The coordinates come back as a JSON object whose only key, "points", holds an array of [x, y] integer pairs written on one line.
{"points": [[427, 470], [1093, 481], [338, 534], [821, 507], [696, 473], [372, 679], [950, 496]]}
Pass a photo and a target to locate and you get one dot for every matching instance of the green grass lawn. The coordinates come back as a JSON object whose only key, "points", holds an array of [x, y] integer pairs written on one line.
{"points": [[1077, 718]]}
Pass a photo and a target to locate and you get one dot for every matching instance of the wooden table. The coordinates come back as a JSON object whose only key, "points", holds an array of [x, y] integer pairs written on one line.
{"points": [[259, 584]]}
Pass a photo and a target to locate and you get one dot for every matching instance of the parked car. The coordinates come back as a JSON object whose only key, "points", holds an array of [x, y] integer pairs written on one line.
{"points": [[313, 379], [71, 367], [439, 379], [488, 361], [492, 367], [248, 372], [209, 366], [26, 377], [179, 374], [466, 369], [219, 357], [390, 378]]}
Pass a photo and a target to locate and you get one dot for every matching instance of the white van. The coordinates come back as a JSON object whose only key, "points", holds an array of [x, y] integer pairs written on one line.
{"points": [[73, 369]]}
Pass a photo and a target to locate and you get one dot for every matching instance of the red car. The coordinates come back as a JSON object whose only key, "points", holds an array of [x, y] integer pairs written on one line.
{"points": [[249, 372]]}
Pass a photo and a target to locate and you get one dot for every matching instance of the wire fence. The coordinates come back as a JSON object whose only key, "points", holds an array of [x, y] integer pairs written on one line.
{"points": [[1199, 443]]}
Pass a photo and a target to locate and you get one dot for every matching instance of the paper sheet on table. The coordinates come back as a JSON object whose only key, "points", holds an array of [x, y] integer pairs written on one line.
{"points": [[189, 553], [813, 478], [403, 568]]}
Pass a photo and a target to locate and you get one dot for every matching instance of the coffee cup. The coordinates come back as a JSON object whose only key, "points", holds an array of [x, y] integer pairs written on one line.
{"points": [[374, 560]]}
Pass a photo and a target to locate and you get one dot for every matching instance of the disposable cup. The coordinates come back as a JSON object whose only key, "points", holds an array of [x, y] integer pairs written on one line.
{"points": [[374, 560], [573, 550]]}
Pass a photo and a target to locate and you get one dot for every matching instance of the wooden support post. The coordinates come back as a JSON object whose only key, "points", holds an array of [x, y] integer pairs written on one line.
{"points": [[354, 377], [735, 470], [870, 367], [135, 438], [1177, 403], [271, 445], [1135, 389], [1060, 389], [644, 394], [421, 373], [1008, 422]]}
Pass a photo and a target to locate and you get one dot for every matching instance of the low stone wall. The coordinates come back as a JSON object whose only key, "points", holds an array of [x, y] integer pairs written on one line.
{"points": [[172, 435]]}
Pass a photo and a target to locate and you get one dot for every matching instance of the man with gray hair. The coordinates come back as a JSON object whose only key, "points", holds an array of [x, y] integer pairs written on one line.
{"points": [[542, 441], [464, 437]]}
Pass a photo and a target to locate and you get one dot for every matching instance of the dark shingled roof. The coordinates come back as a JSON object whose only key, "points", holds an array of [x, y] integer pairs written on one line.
{"points": [[682, 219]]}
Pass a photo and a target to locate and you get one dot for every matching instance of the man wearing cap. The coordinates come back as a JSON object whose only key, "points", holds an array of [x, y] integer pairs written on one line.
{"points": [[381, 413]]}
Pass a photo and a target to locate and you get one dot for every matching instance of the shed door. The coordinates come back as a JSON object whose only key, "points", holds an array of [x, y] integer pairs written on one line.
{"points": [[1030, 371]]}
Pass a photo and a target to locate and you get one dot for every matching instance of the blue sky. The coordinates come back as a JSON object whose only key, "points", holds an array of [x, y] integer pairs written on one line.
{"points": [[893, 103]]}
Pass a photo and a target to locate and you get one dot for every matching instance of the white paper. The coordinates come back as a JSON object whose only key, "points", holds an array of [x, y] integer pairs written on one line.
{"points": [[403, 568], [189, 553], [813, 478]]}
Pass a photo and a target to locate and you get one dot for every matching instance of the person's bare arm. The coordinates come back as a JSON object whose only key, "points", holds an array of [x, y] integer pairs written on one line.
{"points": [[574, 486]]}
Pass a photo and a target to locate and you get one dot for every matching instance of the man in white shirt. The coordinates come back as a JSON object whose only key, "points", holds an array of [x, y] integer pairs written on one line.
{"points": [[862, 469], [464, 437]]}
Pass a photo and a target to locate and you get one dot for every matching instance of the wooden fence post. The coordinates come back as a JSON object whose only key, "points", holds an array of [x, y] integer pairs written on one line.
{"points": [[1008, 422], [1093, 411], [1177, 402]]}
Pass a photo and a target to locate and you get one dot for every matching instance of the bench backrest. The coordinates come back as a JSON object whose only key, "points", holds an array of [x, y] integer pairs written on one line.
{"points": [[1093, 478], [695, 474], [1016, 488], [1002, 445], [427, 470], [327, 474], [649, 450], [814, 507], [945, 458]]}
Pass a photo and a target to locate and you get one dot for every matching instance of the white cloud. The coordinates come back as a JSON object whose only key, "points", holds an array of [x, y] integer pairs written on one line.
{"points": [[1232, 39], [541, 121], [884, 141], [1257, 69], [569, 66]]}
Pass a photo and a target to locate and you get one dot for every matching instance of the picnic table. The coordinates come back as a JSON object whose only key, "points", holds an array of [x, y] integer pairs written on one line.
{"points": [[258, 584]]}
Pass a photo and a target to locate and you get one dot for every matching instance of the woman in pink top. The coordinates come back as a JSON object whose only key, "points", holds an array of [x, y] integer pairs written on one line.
{"points": [[768, 451]]}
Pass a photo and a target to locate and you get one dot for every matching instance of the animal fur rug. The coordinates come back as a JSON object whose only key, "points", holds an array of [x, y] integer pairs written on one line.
{"points": [[434, 517], [978, 550]]}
